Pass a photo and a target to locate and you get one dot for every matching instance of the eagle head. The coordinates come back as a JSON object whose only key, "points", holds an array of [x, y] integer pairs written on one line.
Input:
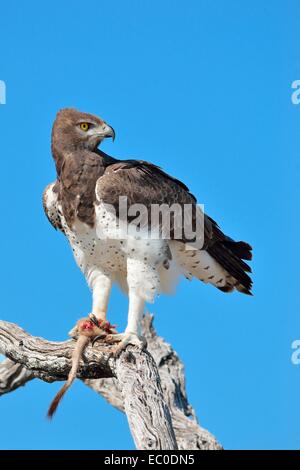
{"points": [[73, 129]]}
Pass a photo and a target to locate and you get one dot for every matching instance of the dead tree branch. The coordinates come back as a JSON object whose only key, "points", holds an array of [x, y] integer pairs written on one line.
{"points": [[155, 403]]}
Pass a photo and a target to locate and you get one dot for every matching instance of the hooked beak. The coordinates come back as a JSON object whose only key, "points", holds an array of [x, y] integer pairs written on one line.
{"points": [[108, 131]]}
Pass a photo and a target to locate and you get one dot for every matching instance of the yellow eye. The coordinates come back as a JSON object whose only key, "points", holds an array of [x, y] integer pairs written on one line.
{"points": [[84, 126]]}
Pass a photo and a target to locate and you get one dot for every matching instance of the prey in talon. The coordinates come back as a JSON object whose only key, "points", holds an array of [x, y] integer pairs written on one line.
{"points": [[106, 329], [109, 335]]}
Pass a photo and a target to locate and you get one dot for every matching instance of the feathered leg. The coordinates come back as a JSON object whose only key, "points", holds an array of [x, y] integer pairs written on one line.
{"points": [[100, 284], [132, 334], [142, 283]]}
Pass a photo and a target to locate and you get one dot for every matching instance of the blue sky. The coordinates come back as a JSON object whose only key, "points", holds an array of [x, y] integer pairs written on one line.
{"points": [[204, 90]]}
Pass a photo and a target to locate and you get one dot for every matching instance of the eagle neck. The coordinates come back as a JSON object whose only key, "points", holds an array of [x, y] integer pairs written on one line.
{"points": [[62, 153]]}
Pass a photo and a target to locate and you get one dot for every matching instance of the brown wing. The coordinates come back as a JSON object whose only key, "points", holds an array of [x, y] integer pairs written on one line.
{"points": [[147, 184], [144, 183]]}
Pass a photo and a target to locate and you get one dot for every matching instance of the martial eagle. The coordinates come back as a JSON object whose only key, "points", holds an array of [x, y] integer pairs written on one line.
{"points": [[83, 203]]}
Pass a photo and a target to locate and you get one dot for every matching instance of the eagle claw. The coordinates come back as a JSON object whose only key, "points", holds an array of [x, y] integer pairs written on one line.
{"points": [[97, 338], [124, 339]]}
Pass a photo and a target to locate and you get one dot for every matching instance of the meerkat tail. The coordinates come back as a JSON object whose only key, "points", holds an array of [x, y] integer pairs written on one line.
{"points": [[78, 350]]}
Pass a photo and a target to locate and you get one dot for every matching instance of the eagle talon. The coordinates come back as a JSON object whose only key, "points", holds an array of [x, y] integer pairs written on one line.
{"points": [[104, 325], [94, 319], [98, 338], [124, 339]]}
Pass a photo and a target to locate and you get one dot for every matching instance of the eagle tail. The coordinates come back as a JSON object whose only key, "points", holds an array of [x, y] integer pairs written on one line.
{"points": [[230, 256], [241, 249]]}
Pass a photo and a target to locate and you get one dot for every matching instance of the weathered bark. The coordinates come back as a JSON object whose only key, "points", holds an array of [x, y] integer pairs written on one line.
{"points": [[135, 371], [131, 383], [13, 376]]}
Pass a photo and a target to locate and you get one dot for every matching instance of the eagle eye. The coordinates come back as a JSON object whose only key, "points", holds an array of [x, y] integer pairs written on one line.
{"points": [[84, 126]]}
